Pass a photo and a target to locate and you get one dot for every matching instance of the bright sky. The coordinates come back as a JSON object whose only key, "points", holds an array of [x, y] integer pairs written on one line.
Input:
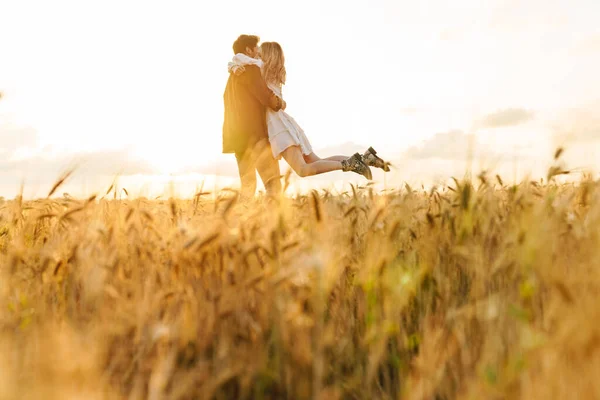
{"points": [[143, 81]]}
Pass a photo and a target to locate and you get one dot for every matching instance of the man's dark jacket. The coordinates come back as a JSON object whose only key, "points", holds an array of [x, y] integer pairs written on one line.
{"points": [[246, 100]]}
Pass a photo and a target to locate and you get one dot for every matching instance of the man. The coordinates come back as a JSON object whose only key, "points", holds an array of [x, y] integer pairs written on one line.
{"points": [[245, 133]]}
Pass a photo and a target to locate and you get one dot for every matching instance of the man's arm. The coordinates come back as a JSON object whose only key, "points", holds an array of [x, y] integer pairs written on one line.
{"points": [[259, 89]]}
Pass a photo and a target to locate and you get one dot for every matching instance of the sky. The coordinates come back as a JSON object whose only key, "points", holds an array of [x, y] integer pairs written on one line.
{"points": [[134, 88]]}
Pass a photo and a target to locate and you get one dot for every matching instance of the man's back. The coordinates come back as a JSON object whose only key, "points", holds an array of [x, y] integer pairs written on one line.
{"points": [[245, 101]]}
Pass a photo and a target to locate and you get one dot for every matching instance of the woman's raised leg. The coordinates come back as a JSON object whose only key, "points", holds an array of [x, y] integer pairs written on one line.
{"points": [[312, 157], [293, 156]]}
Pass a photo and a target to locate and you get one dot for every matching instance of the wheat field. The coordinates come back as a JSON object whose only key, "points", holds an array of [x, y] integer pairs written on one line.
{"points": [[474, 290]]}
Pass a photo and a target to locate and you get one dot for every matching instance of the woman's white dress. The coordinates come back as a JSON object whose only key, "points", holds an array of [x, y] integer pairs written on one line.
{"points": [[284, 131]]}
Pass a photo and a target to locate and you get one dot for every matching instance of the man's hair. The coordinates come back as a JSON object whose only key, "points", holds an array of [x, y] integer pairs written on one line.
{"points": [[239, 46]]}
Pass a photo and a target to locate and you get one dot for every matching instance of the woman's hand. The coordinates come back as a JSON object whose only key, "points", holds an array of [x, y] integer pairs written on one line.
{"points": [[237, 71]]}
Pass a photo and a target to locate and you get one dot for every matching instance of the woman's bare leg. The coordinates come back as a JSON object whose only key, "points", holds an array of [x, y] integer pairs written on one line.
{"points": [[312, 157], [296, 160], [337, 158]]}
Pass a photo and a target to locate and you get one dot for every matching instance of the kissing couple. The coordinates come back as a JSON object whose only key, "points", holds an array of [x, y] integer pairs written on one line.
{"points": [[258, 130]]}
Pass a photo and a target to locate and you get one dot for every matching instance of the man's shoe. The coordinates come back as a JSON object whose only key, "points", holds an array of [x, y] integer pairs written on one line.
{"points": [[355, 164]]}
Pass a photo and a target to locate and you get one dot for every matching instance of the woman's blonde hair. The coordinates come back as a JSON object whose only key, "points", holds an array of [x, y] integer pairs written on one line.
{"points": [[273, 70]]}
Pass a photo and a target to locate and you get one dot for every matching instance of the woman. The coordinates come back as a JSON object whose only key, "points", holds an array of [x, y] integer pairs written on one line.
{"points": [[285, 135]]}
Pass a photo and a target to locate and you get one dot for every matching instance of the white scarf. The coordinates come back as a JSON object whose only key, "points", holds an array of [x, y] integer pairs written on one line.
{"points": [[241, 59]]}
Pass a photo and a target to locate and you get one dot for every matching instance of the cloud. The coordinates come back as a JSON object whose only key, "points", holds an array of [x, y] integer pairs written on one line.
{"points": [[587, 46], [517, 16], [452, 33], [44, 169], [113, 162], [578, 125], [578, 131], [409, 111], [24, 161], [506, 117], [13, 136], [456, 145], [451, 145], [225, 167], [455, 152]]}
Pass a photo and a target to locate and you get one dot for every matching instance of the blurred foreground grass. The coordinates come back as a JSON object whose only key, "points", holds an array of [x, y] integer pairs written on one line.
{"points": [[471, 291]]}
